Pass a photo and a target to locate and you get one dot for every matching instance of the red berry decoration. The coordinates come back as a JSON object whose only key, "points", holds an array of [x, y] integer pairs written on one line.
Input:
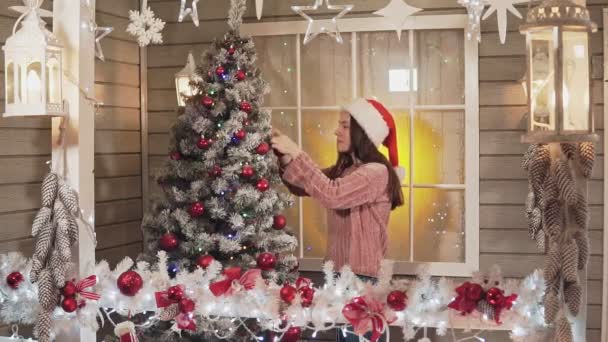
{"points": [[266, 261], [241, 75], [245, 107], [396, 300], [292, 334], [288, 293], [262, 185], [495, 296], [220, 70], [204, 261], [129, 283], [262, 148], [175, 155], [240, 134], [175, 293], [279, 222], [307, 294], [168, 242], [204, 143], [69, 289], [216, 171], [14, 279], [197, 209], [186, 305], [247, 171], [208, 102], [69, 304]]}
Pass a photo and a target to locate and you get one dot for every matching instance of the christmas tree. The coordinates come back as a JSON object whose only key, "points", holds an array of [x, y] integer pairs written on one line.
{"points": [[221, 179]]}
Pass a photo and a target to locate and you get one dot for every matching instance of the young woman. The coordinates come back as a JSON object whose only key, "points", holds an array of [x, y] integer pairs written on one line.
{"points": [[359, 191]]}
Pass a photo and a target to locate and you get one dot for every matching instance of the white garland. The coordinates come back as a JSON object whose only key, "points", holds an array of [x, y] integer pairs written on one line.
{"points": [[426, 305]]}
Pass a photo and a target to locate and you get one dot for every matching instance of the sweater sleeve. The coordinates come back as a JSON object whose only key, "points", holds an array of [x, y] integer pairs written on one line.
{"points": [[355, 189]]}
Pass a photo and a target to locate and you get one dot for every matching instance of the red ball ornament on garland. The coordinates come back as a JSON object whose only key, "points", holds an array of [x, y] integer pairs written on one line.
{"points": [[266, 261], [197, 209], [186, 305], [175, 155], [247, 171], [175, 293], [262, 148], [69, 289], [216, 171], [396, 300], [69, 304], [262, 185], [129, 283], [279, 222], [245, 107], [241, 75], [204, 143], [168, 242], [204, 261], [292, 334], [495, 296], [231, 50], [288, 293], [307, 294], [240, 134], [220, 71], [14, 279], [208, 102]]}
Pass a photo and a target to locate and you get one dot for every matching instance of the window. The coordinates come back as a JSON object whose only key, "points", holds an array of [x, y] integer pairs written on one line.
{"points": [[429, 81]]}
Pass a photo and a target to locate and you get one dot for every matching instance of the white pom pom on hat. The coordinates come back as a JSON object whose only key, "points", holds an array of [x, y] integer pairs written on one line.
{"points": [[379, 125]]}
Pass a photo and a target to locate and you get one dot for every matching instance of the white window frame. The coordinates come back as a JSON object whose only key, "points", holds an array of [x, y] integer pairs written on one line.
{"points": [[470, 108]]}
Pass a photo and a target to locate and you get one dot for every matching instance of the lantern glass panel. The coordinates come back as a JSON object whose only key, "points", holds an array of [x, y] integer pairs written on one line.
{"points": [[576, 81], [542, 56], [53, 80], [34, 83], [10, 83]]}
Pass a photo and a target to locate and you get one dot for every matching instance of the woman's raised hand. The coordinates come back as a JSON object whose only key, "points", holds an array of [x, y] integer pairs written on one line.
{"points": [[284, 145]]}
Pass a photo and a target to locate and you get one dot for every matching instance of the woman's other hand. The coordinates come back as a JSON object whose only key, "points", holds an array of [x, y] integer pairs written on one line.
{"points": [[285, 146]]}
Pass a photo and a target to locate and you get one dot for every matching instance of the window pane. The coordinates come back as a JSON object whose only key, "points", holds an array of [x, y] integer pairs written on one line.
{"points": [[326, 71], [439, 225], [277, 60], [439, 148], [384, 68], [399, 231], [440, 60]]}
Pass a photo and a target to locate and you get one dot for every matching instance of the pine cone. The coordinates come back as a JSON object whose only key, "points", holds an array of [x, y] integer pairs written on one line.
{"points": [[540, 240], [530, 202], [47, 294], [551, 307], [539, 166], [49, 189], [586, 157], [570, 261], [169, 313], [69, 198], [73, 231], [525, 163], [60, 212], [552, 263], [552, 219], [565, 182], [43, 217], [486, 309], [44, 243], [44, 326], [62, 242], [534, 222], [569, 150], [37, 267], [582, 242], [563, 330], [57, 268], [572, 297], [580, 212]]}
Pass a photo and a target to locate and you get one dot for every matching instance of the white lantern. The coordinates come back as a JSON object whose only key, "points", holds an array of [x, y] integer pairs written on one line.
{"points": [[183, 79], [33, 67], [558, 82]]}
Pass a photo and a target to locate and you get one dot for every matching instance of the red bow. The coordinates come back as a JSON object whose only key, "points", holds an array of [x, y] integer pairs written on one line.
{"points": [[235, 282], [469, 294], [163, 300], [89, 281], [366, 314], [496, 298]]}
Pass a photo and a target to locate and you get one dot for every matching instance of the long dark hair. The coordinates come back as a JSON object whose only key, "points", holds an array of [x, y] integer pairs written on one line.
{"points": [[365, 150]]}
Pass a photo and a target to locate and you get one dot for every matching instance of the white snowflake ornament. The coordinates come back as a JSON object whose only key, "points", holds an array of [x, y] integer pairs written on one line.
{"points": [[145, 26]]}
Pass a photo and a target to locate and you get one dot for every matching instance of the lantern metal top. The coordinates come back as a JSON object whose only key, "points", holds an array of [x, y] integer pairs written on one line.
{"points": [[190, 69], [33, 32], [562, 13]]}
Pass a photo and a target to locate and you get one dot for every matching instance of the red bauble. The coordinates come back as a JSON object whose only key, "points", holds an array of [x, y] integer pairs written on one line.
{"points": [[14, 279], [247, 171], [241, 75], [262, 185], [240, 134], [220, 70], [231, 50], [69, 304], [216, 171], [204, 143], [495, 296], [175, 293], [129, 283], [197, 209], [69, 289], [204, 261], [266, 261], [307, 294], [175, 155], [288, 293], [208, 102], [396, 300], [245, 107], [279, 222], [292, 334], [168, 242], [186, 305], [262, 148]]}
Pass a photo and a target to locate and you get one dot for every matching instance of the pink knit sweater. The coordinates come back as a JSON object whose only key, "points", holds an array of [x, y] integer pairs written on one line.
{"points": [[358, 209]]}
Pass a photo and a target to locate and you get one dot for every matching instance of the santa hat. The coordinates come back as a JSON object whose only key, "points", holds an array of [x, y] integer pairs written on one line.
{"points": [[379, 125]]}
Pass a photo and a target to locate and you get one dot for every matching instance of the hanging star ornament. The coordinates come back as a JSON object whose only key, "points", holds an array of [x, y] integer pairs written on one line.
{"points": [[317, 27], [501, 7], [192, 11], [397, 12], [100, 33], [259, 4]]}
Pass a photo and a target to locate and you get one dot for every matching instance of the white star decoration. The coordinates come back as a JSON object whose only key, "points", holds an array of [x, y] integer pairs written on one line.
{"points": [[100, 33], [259, 4], [313, 30], [501, 7], [397, 12], [192, 11]]}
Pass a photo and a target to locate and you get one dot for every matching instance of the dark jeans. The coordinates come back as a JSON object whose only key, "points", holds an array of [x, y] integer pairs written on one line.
{"points": [[351, 337]]}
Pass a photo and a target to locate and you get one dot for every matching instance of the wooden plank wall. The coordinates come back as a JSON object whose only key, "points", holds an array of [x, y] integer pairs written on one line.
{"points": [[503, 234]]}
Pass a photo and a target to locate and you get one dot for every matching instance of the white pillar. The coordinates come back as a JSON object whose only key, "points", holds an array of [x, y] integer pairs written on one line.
{"points": [[74, 157], [605, 249]]}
